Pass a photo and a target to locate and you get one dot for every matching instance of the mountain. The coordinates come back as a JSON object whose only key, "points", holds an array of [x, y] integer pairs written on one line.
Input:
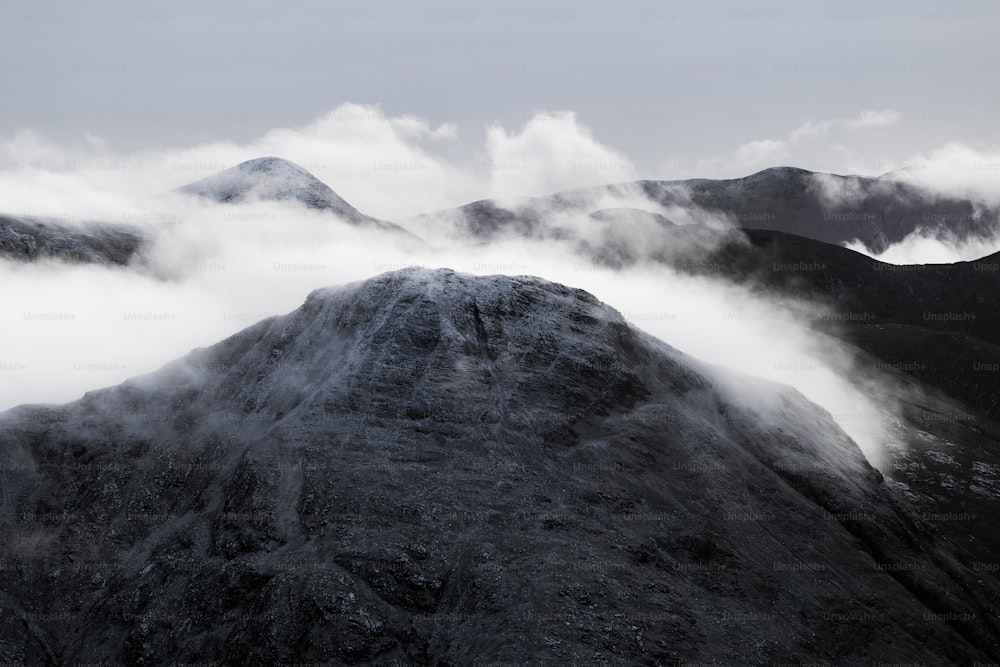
{"points": [[29, 238], [277, 179], [628, 216], [923, 338], [940, 454], [831, 208], [937, 322], [435, 468], [271, 179]]}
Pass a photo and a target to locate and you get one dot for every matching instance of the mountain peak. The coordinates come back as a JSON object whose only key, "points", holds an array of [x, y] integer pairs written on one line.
{"points": [[272, 179], [451, 456], [269, 164], [778, 173], [277, 179]]}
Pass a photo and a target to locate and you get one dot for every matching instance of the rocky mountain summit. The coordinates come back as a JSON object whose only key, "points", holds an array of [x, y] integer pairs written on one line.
{"points": [[271, 179], [433, 468], [277, 179]]}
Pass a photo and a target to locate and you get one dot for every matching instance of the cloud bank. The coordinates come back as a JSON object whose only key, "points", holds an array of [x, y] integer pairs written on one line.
{"points": [[217, 269], [391, 167]]}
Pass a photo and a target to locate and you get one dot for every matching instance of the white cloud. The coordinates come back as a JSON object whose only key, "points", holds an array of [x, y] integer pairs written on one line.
{"points": [[552, 152], [223, 267], [387, 166], [872, 118], [69, 329], [808, 131], [957, 169], [922, 248], [841, 144], [762, 151], [445, 132]]}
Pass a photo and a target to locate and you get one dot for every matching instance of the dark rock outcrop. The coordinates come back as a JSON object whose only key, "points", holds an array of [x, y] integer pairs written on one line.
{"points": [[32, 239], [432, 468]]}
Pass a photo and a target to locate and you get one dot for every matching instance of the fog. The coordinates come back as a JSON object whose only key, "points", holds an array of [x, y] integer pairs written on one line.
{"points": [[387, 166], [68, 329], [212, 270], [921, 248], [954, 170]]}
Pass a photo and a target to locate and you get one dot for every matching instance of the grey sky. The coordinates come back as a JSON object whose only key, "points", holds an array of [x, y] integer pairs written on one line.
{"points": [[656, 80]]}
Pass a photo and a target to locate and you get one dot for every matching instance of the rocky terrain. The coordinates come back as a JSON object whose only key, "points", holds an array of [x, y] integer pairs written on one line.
{"points": [[279, 180], [434, 468], [826, 207], [830, 208], [935, 322], [26, 238], [930, 331], [30, 238]]}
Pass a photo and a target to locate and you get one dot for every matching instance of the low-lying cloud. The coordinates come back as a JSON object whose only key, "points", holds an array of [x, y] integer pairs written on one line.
{"points": [[924, 248], [215, 269], [71, 328], [391, 167]]}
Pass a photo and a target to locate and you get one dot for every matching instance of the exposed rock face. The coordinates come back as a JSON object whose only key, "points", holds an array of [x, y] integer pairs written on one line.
{"points": [[31, 238], [924, 337], [432, 468]]}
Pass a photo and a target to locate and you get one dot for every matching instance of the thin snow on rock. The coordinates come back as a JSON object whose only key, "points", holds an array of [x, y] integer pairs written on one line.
{"points": [[271, 179]]}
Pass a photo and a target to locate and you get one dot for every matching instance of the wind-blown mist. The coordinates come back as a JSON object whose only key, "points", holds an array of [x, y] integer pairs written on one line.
{"points": [[387, 166], [215, 269], [220, 268], [952, 170], [922, 249]]}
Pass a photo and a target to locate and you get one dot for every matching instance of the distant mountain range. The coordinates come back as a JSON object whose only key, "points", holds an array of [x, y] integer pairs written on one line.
{"points": [[876, 212], [834, 209], [30, 238]]}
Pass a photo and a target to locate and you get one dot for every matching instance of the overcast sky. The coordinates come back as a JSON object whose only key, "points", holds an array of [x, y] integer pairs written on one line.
{"points": [[680, 88]]}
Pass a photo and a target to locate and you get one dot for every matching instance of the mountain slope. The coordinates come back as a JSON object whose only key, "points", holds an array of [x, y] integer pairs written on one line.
{"points": [[272, 179], [938, 322], [433, 468], [277, 179], [825, 207], [31, 238], [924, 337], [830, 207]]}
